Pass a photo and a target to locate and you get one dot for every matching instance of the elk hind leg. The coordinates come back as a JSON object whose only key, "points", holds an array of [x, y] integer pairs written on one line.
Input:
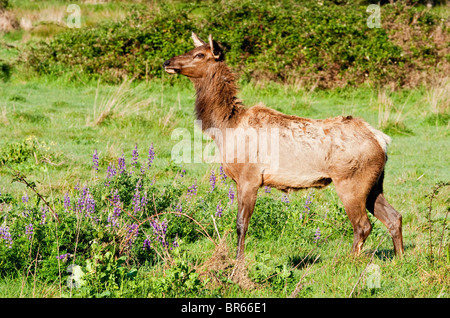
{"points": [[383, 211], [354, 201]]}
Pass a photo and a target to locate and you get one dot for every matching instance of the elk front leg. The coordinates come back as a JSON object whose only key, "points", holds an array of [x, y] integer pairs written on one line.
{"points": [[246, 204]]}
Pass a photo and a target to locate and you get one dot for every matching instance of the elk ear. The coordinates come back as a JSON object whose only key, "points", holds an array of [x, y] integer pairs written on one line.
{"points": [[197, 41], [215, 48]]}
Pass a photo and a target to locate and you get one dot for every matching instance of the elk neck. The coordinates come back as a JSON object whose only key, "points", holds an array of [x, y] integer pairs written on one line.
{"points": [[217, 105]]}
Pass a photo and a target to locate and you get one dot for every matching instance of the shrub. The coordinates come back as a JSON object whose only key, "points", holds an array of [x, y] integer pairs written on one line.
{"points": [[326, 45]]}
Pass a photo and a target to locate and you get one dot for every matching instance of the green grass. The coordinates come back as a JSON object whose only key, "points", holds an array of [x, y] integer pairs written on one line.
{"points": [[56, 113]]}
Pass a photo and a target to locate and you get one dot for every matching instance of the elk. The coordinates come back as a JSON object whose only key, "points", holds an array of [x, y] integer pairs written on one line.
{"points": [[310, 153]]}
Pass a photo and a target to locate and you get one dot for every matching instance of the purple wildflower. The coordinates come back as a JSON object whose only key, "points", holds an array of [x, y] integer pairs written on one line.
{"points": [[6, 236], [147, 245], [80, 205], [212, 180], [231, 194], [285, 199], [116, 211], [135, 156], [144, 200], [44, 210], [179, 208], [25, 198], [267, 189], [151, 156], [192, 190], [121, 164], [219, 210], [308, 200], [29, 231], [175, 244], [159, 232], [64, 257], [133, 231], [90, 204], [66, 202], [95, 161], [222, 174], [110, 172], [317, 235]]}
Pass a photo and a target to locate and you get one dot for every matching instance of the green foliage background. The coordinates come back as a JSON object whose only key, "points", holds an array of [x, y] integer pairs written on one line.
{"points": [[322, 43]]}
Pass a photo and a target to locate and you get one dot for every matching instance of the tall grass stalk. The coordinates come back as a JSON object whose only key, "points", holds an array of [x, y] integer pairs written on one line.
{"points": [[120, 103], [438, 97]]}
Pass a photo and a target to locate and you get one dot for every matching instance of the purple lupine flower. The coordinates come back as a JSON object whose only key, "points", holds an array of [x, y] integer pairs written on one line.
{"points": [[121, 164], [267, 189], [44, 210], [222, 174], [135, 156], [116, 200], [212, 180], [90, 204], [144, 200], [5, 235], [192, 190], [219, 210], [64, 257], [174, 244], [151, 156], [182, 173], [29, 231], [179, 208], [81, 203], [317, 235], [147, 245], [133, 231], [116, 210], [308, 200], [110, 172], [66, 202], [285, 199], [159, 232], [95, 161], [25, 198], [231, 194]]}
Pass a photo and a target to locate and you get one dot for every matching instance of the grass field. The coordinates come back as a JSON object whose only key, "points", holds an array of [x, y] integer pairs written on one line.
{"points": [[59, 116], [297, 246]]}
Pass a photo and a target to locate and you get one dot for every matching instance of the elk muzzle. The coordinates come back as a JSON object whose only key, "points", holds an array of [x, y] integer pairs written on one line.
{"points": [[169, 67]]}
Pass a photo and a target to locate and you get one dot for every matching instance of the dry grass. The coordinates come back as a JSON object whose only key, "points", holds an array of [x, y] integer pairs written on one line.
{"points": [[438, 97], [221, 263], [3, 118], [385, 108], [118, 104]]}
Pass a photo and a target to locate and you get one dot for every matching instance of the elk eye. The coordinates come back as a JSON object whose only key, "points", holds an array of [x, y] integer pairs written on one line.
{"points": [[199, 56]]}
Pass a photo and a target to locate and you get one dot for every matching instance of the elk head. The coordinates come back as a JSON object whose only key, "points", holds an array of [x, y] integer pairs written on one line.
{"points": [[195, 63]]}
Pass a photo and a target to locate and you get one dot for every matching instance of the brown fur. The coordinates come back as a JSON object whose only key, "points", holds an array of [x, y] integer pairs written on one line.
{"points": [[311, 153]]}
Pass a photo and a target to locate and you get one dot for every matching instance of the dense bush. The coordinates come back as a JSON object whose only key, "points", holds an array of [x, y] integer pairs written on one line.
{"points": [[317, 43]]}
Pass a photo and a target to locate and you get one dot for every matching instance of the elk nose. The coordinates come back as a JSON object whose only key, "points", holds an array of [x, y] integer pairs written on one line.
{"points": [[166, 63]]}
